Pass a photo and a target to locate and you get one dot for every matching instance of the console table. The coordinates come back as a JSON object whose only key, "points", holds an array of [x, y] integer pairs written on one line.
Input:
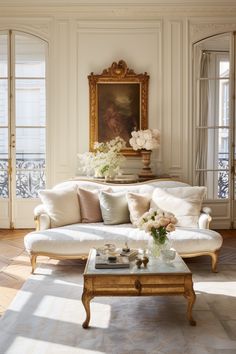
{"points": [[125, 179]]}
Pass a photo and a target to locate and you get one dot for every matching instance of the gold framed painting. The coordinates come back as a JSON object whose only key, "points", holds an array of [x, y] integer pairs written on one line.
{"points": [[118, 101]]}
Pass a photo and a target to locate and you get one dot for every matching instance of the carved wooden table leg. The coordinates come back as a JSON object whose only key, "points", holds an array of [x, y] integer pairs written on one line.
{"points": [[86, 298], [191, 297]]}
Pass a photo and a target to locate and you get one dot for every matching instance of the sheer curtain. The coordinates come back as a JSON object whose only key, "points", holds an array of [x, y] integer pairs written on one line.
{"points": [[202, 119]]}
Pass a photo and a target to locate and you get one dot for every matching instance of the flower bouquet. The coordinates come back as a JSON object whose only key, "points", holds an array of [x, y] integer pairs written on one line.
{"points": [[105, 160], [148, 139], [145, 141], [157, 223]]}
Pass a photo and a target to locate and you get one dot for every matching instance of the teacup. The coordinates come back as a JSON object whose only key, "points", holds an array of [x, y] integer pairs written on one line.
{"points": [[168, 255]]}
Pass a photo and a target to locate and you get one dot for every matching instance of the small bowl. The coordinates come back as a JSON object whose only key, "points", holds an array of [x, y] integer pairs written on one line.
{"points": [[168, 255]]}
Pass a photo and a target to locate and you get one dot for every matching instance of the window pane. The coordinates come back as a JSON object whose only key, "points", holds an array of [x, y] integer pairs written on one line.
{"points": [[29, 182], [213, 103], [214, 65], [3, 55], [212, 148], [217, 183], [224, 68], [31, 162], [30, 140], [3, 184], [3, 102], [3, 143], [30, 102], [30, 55]]}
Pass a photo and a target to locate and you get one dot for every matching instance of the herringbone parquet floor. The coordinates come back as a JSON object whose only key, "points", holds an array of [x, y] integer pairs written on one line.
{"points": [[15, 266]]}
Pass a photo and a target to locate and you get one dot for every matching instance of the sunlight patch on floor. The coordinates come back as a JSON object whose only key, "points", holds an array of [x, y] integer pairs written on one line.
{"points": [[53, 307], [227, 288], [19, 305], [27, 345]]}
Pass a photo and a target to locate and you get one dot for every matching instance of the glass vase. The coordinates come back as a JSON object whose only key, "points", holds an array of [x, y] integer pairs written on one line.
{"points": [[155, 248]]}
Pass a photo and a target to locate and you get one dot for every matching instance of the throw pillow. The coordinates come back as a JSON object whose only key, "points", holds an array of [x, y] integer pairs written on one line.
{"points": [[138, 204], [62, 205], [89, 205], [114, 207], [184, 202]]}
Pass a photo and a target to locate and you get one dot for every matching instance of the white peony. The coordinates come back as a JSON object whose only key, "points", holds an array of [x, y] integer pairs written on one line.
{"points": [[148, 139]]}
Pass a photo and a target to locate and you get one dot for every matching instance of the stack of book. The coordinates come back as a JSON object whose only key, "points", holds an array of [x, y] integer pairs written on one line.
{"points": [[130, 254], [113, 263]]}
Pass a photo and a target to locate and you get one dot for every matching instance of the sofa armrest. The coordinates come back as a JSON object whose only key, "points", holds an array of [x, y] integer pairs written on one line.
{"points": [[205, 218], [42, 219]]}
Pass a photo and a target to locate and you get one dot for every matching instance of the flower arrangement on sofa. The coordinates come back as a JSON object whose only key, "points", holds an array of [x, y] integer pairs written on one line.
{"points": [[105, 160], [148, 139], [158, 223]]}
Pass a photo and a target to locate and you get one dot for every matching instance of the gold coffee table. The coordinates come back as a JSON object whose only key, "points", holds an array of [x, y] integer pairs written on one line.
{"points": [[158, 278]]}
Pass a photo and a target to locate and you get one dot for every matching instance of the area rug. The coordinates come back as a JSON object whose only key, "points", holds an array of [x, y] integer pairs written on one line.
{"points": [[46, 317]]}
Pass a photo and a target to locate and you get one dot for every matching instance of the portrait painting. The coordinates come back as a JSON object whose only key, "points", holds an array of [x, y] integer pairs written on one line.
{"points": [[118, 110], [118, 101]]}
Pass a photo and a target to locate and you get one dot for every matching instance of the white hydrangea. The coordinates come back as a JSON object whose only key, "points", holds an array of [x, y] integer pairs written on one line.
{"points": [[106, 158], [148, 139]]}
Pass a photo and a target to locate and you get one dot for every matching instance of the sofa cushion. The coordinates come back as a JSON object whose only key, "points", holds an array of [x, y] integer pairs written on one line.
{"points": [[89, 205], [62, 205], [184, 202], [114, 207], [78, 239], [138, 204]]}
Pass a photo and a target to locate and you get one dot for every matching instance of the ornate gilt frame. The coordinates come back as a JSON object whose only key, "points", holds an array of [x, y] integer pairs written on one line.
{"points": [[118, 73]]}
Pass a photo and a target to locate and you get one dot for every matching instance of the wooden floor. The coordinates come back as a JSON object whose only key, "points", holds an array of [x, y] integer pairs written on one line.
{"points": [[15, 266]]}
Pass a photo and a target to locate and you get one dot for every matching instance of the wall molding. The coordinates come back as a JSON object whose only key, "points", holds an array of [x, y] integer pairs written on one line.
{"points": [[113, 9], [40, 27], [208, 27], [109, 32]]}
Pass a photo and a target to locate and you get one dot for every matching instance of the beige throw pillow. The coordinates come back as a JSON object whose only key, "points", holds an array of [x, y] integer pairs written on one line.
{"points": [[138, 204], [89, 205], [114, 207], [62, 205], [184, 202]]}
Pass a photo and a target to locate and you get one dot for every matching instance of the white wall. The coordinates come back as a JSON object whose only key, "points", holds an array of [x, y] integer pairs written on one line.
{"points": [[153, 38]]}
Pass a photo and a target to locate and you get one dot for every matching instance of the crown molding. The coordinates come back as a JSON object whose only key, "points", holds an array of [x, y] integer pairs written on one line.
{"points": [[126, 12], [139, 9], [69, 3]]}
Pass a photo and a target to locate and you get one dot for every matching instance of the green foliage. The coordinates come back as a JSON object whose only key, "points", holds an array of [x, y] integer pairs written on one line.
{"points": [[159, 235]]}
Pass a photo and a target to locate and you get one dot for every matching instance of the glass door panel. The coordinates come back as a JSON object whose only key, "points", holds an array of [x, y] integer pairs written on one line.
{"points": [[4, 155], [30, 116], [214, 117], [4, 179], [30, 102], [29, 56], [22, 124], [3, 102], [3, 55], [213, 137]]}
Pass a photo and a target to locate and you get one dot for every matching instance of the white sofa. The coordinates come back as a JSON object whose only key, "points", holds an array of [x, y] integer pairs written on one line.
{"points": [[76, 239]]}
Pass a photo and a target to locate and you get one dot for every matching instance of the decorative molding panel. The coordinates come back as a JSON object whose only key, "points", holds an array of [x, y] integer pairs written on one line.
{"points": [[99, 44], [4, 215], [61, 119], [173, 109]]}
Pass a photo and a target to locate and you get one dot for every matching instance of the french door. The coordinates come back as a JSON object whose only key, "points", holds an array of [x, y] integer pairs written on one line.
{"points": [[214, 112], [22, 126]]}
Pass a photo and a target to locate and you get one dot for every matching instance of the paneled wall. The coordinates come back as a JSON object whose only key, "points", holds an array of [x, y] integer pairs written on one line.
{"points": [[88, 38]]}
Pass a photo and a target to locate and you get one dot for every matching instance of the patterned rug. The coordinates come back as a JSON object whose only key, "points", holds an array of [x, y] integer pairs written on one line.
{"points": [[46, 317]]}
